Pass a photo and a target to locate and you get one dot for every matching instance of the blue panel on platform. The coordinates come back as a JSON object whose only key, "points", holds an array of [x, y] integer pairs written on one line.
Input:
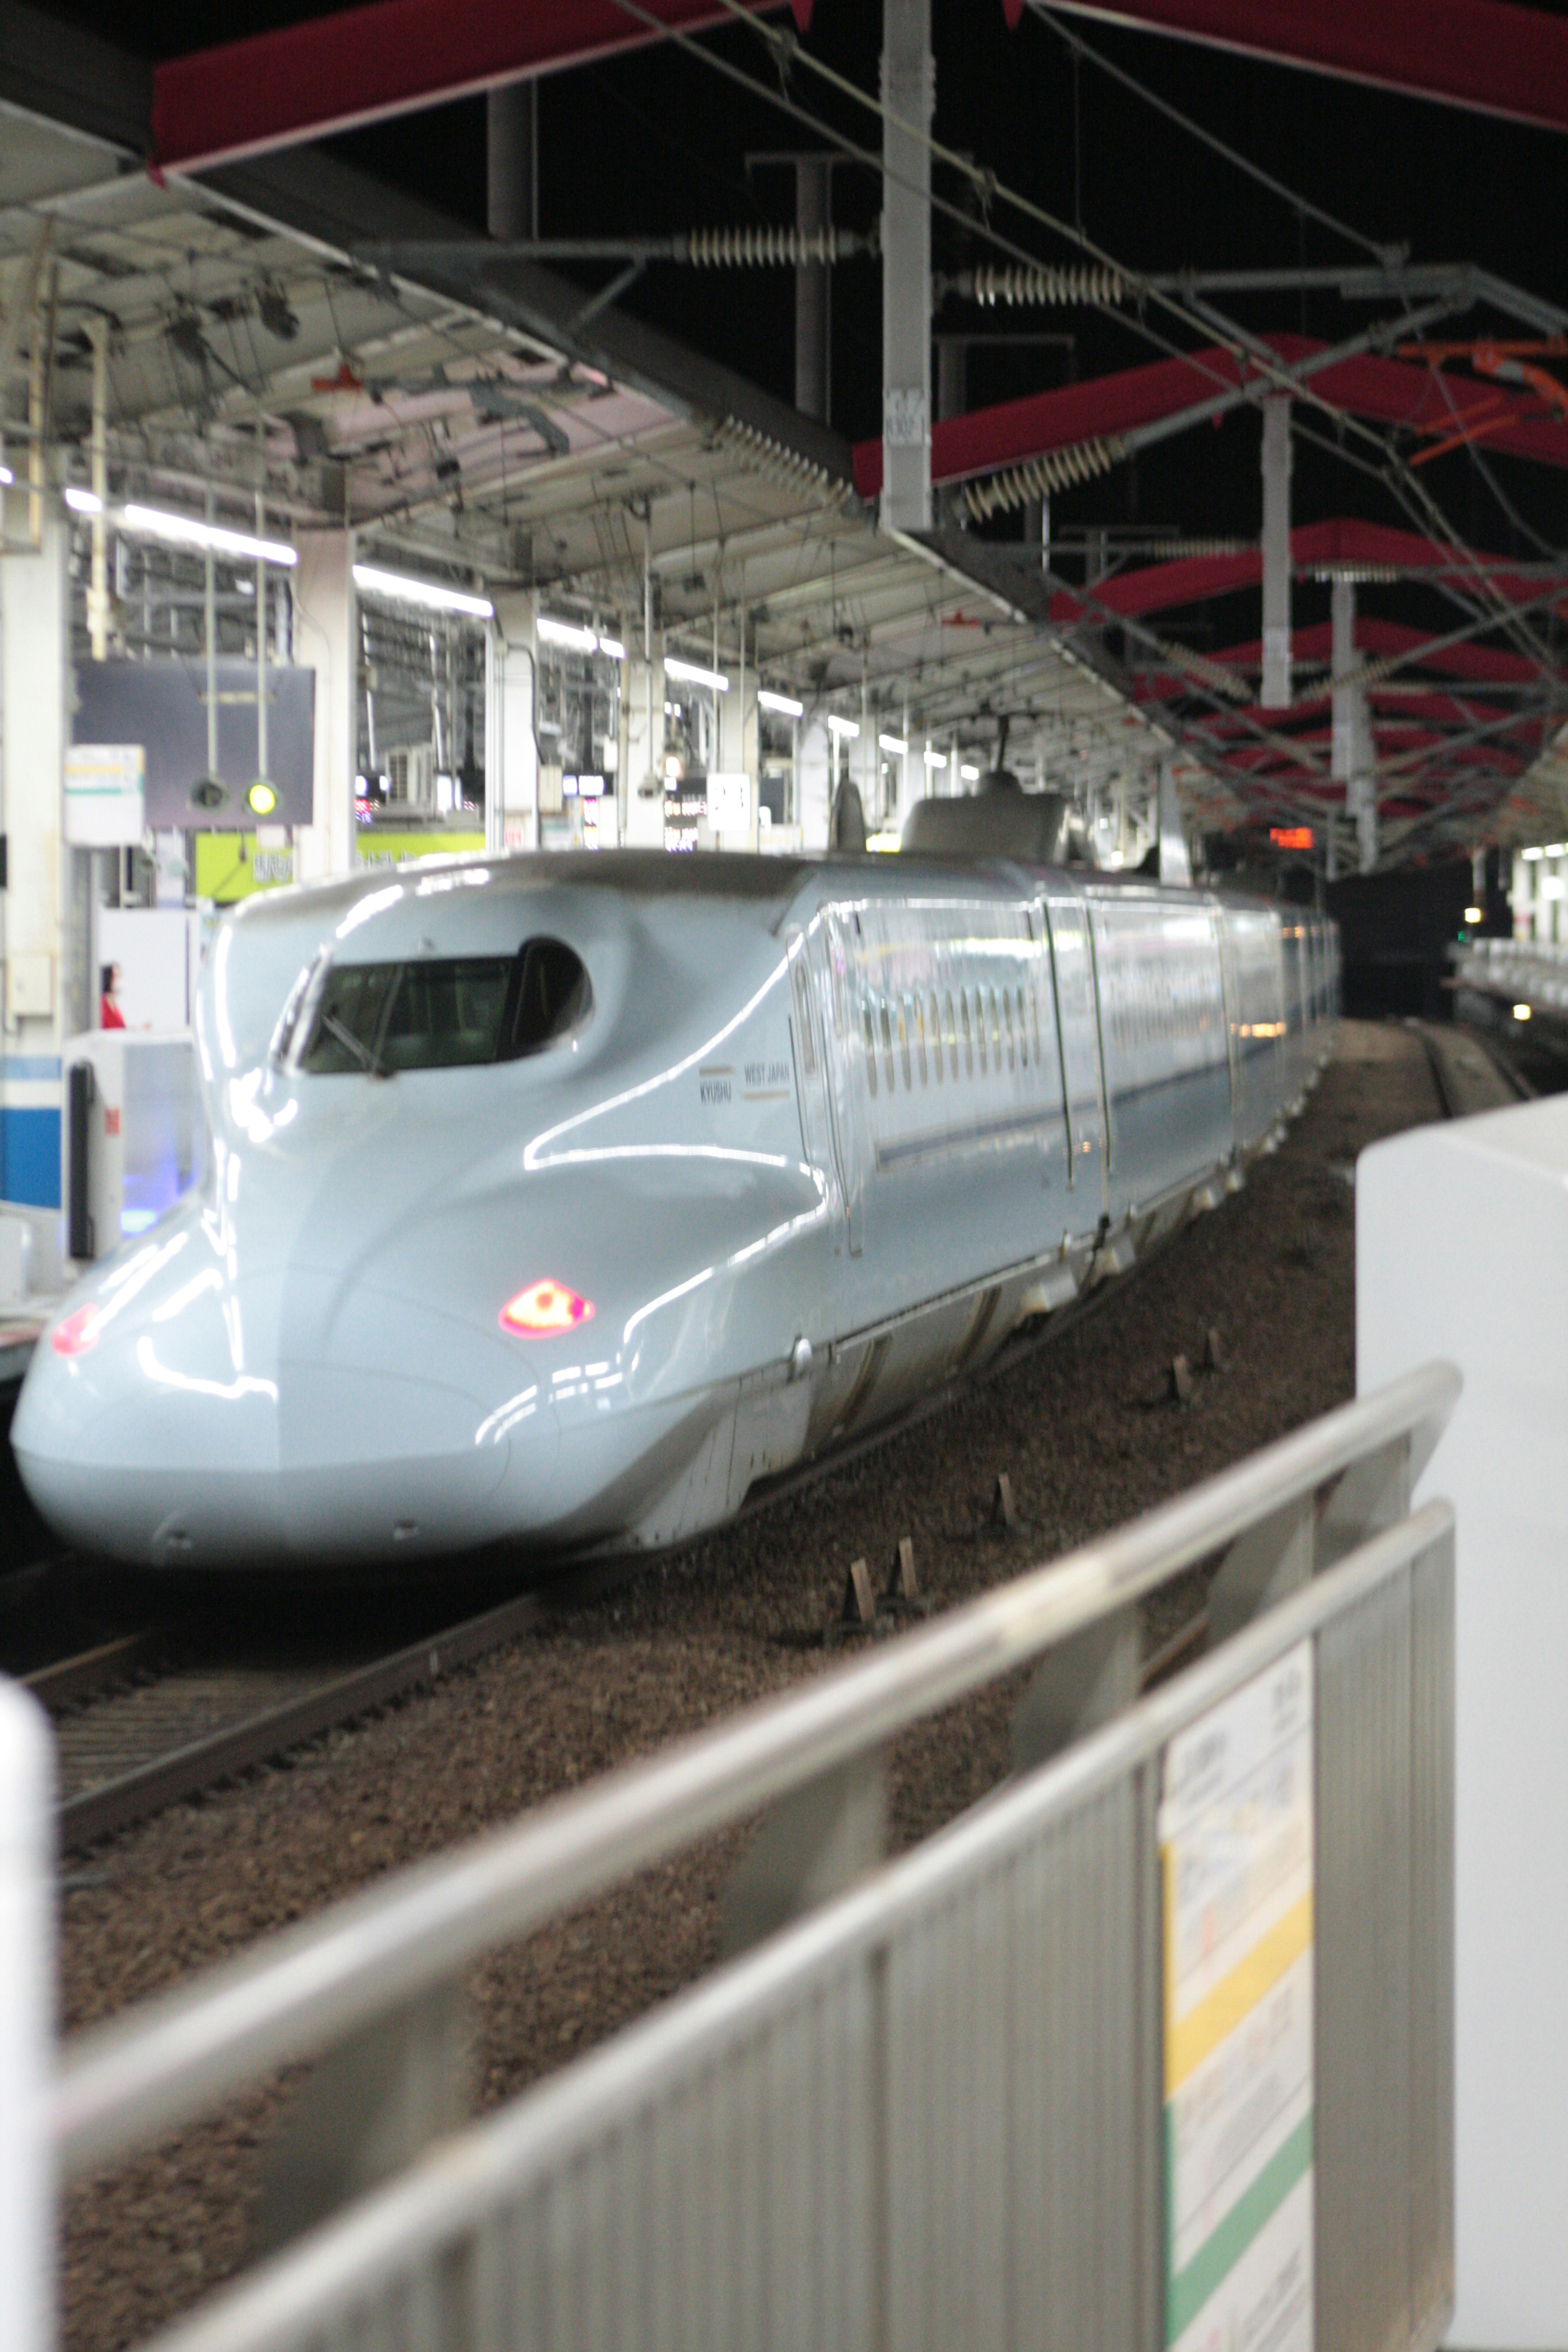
{"points": [[30, 1158]]}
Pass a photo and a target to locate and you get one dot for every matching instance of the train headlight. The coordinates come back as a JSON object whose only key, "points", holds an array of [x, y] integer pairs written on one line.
{"points": [[78, 1332], [543, 1309]]}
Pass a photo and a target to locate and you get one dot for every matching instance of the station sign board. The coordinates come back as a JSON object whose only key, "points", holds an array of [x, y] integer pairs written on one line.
{"points": [[105, 801], [1236, 1851]]}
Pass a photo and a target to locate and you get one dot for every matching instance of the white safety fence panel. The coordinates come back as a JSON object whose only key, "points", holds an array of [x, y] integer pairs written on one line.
{"points": [[931, 2115], [26, 2021]]}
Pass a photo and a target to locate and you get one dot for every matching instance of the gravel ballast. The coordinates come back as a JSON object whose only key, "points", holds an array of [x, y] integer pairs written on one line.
{"points": [[1089, 1435]]}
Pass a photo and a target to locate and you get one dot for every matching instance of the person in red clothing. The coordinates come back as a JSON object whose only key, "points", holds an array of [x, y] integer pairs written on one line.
{"points": [[110, 1016]]}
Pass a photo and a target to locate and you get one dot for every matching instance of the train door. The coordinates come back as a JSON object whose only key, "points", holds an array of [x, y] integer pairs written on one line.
{"points": [[811, 1067], [1078, 1028], [831, 943]]}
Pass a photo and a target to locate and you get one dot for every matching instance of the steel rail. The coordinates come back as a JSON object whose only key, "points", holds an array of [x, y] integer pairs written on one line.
{"points": [[146, 2072], [200, 1764]]}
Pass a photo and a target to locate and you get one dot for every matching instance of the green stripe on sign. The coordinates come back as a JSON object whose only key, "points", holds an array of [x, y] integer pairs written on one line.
{"points": [[1219, 2252]]}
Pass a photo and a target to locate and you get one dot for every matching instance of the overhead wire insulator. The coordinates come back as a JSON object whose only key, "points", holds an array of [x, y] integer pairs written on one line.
{"points": [[762, 454], [1212, 674], [757, 248], [1040, 286], [1042, 477]]}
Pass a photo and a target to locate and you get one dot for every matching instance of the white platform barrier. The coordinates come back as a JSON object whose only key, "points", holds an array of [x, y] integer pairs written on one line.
{"points": [[1462, 1252], [27, 2023]]}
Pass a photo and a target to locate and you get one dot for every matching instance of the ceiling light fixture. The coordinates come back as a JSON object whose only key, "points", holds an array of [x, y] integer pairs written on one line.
{"points": [[970, 776], [894, 743], [935, 758], [847, 726], [572, 634], [693, 674], [401, 590], [784, 703], [152, 522], [83, 501]]}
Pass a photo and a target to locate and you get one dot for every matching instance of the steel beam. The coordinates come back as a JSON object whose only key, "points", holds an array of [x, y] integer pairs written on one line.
{"points": [[386, 57], [1483, 54]]}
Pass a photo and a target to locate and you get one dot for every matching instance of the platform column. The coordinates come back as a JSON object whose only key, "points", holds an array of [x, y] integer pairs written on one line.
{"points": [[511, 751], [327, 641], [908, 88], [1275, 693], [46, 985]]}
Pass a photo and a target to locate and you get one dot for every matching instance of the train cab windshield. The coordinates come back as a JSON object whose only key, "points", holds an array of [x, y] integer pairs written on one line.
{"points": [[442, 1012]]}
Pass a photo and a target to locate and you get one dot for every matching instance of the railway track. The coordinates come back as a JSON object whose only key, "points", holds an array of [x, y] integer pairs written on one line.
{"points": [[1470, 1072], [137, 1730]]}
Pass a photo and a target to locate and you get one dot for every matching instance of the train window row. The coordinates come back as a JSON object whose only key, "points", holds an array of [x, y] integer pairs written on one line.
{"points": [[921, 1036], [1150, 1003]]}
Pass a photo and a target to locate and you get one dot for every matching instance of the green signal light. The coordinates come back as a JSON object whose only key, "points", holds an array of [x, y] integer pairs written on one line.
{"points": [[262, 798]]}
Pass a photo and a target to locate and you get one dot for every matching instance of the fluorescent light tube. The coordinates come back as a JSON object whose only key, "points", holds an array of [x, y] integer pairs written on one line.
{"points": [[83, 502], [151, 522], [935, 758], [784, 703], [432, 592], [692, 674], [894, 743], [837, 725], [570, 634]]}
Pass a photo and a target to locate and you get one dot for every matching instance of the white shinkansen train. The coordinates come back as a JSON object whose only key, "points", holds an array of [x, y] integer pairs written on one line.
{"points": [[560, 1199]]}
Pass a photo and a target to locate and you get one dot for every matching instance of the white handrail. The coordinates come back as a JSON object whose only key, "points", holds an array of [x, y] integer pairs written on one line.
{"points": [[297, 1991]]}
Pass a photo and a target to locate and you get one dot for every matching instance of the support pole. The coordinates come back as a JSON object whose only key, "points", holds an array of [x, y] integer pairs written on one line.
{"points": [[813, 207], [1276, 693], [98, 589], [907, 96], [511, 163], [1351, 751], [952, 399]]}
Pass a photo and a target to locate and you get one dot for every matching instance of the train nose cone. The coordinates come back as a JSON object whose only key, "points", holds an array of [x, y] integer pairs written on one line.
{"points": [[147, 1426]]}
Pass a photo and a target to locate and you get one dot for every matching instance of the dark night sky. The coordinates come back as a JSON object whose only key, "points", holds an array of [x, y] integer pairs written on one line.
{"points": [[657, 140]]}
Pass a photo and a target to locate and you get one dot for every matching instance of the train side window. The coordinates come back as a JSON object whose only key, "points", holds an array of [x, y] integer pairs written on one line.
{"points": [[904, 1046], [935, 1026], [870, 1030], [888, 1046]]}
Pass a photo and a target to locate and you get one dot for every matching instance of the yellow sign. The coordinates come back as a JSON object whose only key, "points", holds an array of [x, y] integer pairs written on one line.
{"points": [[229, 866], [379, 845]]}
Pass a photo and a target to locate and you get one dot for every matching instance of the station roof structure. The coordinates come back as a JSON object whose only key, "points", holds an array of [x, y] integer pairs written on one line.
{"points": [[290, 321], [284, 318]]}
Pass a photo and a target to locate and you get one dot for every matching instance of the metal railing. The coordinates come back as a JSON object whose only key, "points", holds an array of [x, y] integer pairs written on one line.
{"points": [[931, 2113]]}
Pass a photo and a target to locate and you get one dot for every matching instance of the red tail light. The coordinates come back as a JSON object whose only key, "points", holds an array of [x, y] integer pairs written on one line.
{"points": [[544, 1309], [78, 1332]]}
